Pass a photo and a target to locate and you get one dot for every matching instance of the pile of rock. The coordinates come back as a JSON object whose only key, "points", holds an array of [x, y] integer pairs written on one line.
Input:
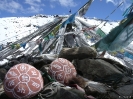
{"points": [[76, 73]]}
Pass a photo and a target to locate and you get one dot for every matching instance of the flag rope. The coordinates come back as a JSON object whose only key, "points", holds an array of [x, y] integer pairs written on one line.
{"points": [[111, 13], [13, 36]]}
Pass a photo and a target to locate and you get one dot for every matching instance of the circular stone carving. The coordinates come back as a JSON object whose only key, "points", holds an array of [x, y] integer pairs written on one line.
{"points": [[62, 70], [23, 81]]}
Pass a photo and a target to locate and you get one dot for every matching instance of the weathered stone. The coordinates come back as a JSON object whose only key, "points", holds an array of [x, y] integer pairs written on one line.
{"points": [[2, 73], [96, 89], [77, 53], [45, 68], [99, 70], [124, 92], [44, 71], [1, 89]]}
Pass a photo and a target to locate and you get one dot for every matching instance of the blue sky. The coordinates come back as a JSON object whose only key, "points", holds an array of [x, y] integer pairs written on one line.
{"points": [[99, 8]]}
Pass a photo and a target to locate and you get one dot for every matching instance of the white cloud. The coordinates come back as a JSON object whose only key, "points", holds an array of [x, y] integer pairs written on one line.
{"points": [[13, 6], [35, 6], [123, 7], [33, 9], [65, 3], [10, 6], [33, 2], [52, 6]]}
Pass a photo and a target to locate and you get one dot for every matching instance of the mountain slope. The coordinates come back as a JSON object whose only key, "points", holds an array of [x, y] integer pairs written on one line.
{"points": [[15, 28]]}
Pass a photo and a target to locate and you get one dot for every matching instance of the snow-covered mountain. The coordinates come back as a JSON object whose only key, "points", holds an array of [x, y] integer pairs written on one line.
{"points": [[15, 28]]}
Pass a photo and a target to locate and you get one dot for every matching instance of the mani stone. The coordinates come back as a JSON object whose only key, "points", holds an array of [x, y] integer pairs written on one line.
{"points": [[22, 81], [62, 70]]}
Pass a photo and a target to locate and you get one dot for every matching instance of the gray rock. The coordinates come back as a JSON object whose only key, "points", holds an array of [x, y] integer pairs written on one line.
{"points": [[77, 53], [2, 73], [96, 89], [123, 92], [99, 70], [1, 89]]}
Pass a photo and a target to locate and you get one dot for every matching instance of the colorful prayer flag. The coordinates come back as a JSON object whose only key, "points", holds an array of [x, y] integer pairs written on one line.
{"points": [[1, 47], [84, 8], [46, 38], [17, 46], [69, 20], [128, 10], [13, 46], [40, 47], [23, 45]]}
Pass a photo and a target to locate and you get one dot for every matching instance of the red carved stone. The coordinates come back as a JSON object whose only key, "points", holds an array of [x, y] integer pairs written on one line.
{"points": [[23, 81], [62, 70]]}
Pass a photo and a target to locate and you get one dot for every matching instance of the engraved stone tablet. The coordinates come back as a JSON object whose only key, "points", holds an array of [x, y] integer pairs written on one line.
{"points": [[62, 70], [23, 81]]}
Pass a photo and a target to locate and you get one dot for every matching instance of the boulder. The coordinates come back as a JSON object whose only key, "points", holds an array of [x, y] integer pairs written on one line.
{"points": [[123, 92], [77, 53], [99, 70], [96, 89]]}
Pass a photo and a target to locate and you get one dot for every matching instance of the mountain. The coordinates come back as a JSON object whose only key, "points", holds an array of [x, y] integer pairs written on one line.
{"points": [[15, 28]]}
